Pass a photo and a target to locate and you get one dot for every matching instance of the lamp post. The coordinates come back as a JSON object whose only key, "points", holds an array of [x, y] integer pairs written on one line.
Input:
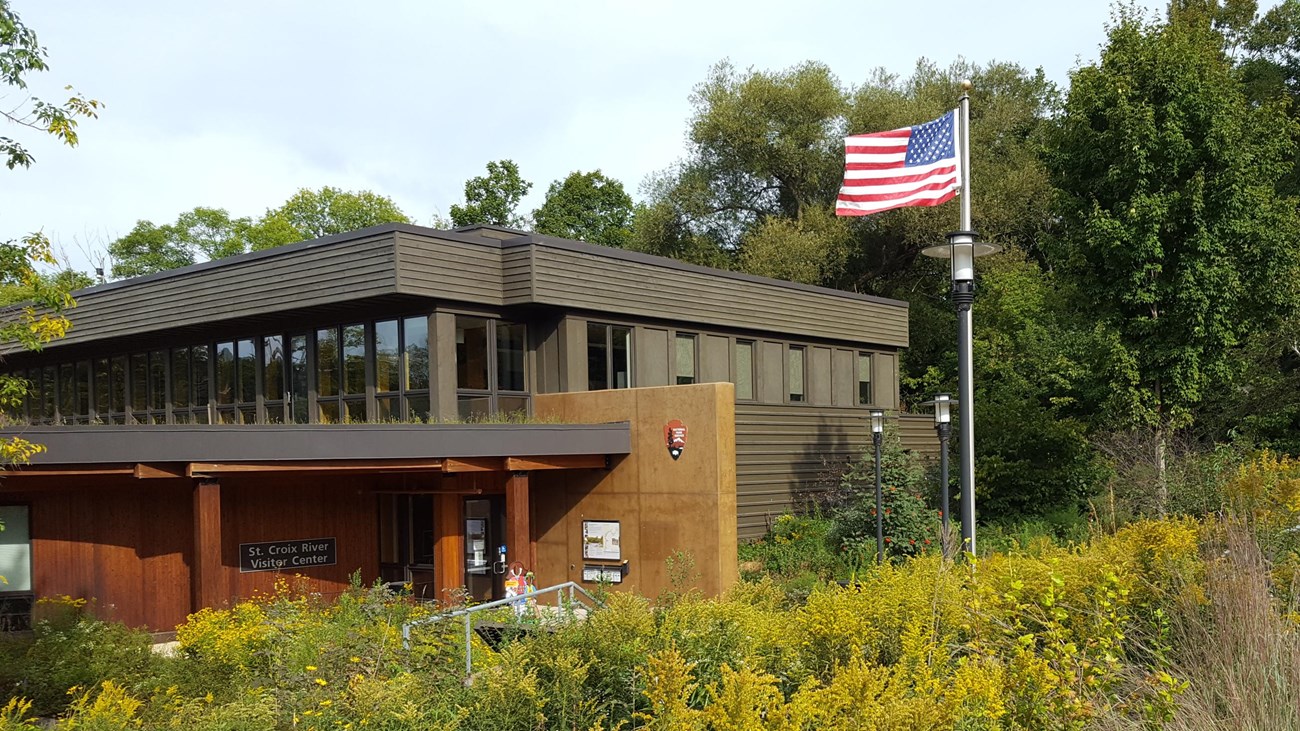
{"points": [[942, 404], [877, 437]]}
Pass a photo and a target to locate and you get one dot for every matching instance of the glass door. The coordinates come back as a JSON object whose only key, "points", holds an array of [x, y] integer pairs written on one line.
{"points": [[484, 558]]}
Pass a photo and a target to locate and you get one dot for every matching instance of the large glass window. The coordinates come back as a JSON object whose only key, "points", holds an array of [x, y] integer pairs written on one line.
{"points": [[341, 374], [401, 363], [864, 378], [609, 356], [15, 549], [49, 401], [472, 353], [327, 375], [225, 386], [140, 388], [117, 389], [415, 367], [490, 375], [273, 378], [685, 360], [158, 387], [67, 393], [298, 370], [200, 380], [83, 392], [744, 370], [102, 390], [795, 373]]}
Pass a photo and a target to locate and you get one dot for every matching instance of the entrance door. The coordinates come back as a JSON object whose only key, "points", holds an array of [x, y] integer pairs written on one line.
{"points": [[406, 541], [484, 538]]}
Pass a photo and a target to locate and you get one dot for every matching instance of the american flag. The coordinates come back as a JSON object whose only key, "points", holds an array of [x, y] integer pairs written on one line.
{"points": [[912, 166]]}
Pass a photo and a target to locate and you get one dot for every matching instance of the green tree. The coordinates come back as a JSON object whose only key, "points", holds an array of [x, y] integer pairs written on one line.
{"points": [[587, 207], [67, 280], [204, 233], [41, 318], [316, 213], [492, 199], [20, 55], [1170, 220]]}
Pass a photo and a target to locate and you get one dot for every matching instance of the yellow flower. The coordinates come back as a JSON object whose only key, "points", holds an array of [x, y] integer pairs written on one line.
{"points": [[327, 703], [354, 658], [208, 697], [321, 681], [311, 668]]}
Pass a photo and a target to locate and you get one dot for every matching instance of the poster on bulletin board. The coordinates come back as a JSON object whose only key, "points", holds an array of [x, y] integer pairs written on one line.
{"points": [[600, 540]]}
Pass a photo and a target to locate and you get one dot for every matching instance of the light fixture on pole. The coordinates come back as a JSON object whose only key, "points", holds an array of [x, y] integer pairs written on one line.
{"points": [[877, 438], [942, 404], [962, 249]]}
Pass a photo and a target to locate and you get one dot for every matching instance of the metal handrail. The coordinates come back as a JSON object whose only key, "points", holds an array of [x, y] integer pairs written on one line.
{"points": [[467, 612]]}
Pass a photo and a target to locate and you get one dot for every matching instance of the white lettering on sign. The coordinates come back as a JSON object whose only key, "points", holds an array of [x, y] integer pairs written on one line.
{"points": [[281, 555]]}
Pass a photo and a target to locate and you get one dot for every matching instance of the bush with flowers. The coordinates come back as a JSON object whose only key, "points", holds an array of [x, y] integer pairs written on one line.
{"points": [[909, 523]]}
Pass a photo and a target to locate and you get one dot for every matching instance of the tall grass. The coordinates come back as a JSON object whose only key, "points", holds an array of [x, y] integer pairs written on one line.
{"points": [[1239, 653]]}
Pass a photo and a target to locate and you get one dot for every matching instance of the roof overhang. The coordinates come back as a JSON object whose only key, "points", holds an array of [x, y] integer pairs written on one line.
{"points": [[199, 450]]}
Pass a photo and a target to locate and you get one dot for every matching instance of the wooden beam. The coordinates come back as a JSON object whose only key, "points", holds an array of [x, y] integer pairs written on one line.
{"points": [[198, 469], [207, 574], [158, 471], [557, 462], [474, 464], [66, 470], [519, 537]]}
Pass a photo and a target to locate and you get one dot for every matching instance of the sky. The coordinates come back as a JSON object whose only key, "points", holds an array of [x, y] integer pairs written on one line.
{"points": [[237, 104]]}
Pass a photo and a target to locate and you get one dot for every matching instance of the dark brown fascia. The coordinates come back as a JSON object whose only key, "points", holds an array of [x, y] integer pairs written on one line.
{"points": [[78, 445]]}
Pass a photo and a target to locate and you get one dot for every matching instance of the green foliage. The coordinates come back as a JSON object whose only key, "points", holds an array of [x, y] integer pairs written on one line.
{"points": [[312, 214], [493, 198], [72, 649], [1170, 218], [1106, 633], [21, 55], [587, 207], [203, 233], [910, 525]]}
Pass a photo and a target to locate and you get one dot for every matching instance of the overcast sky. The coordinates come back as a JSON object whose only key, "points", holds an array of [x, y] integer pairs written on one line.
{"points": [[236, 104]]}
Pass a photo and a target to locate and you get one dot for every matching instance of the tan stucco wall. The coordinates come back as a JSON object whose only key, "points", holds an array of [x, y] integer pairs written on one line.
{"points": [[664, 505]]}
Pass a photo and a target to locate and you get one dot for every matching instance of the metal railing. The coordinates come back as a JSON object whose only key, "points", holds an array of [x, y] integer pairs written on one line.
{"points": [[467, 614]]}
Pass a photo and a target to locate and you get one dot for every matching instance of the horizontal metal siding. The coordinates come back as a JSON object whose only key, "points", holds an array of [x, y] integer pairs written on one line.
{"points": [[303, 278], [517, 275], [446, 269], [783, 452], [573, 279]]}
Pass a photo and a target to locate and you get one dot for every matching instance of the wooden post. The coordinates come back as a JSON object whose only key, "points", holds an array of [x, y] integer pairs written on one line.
{"points": [[207, 571], [519, 537], [449, 543]]}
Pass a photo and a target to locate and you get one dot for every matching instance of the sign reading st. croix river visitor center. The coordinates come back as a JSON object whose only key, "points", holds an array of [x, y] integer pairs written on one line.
{"points": [[286, 555]]}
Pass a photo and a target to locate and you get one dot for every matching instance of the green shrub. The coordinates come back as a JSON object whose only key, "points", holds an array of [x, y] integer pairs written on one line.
{"points": [[79, 651], [910, 525]]}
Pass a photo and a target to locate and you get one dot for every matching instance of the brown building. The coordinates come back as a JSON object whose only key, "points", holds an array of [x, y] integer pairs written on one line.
{"points": [[405, 403]]}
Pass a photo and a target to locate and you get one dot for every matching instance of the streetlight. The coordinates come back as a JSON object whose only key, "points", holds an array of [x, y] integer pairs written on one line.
{"points": [[877, 437], [962, 249], [942, 404]]}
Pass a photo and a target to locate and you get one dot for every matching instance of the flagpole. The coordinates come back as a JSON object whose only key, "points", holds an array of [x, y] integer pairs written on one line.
{"points": [[963, 295]]}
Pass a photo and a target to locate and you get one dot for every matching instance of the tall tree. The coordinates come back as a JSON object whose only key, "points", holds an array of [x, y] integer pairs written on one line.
{"points": [[41, 318], [587, 207], [492, 199], [327, 211], [1170, 218], [204, 233]]}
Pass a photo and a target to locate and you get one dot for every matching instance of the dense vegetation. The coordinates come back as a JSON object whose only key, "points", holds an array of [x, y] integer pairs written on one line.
{"points": [[1178, 623]]}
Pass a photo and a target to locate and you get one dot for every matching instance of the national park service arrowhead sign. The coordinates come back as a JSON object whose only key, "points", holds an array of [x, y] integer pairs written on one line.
{"points": [[675, 436]]}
